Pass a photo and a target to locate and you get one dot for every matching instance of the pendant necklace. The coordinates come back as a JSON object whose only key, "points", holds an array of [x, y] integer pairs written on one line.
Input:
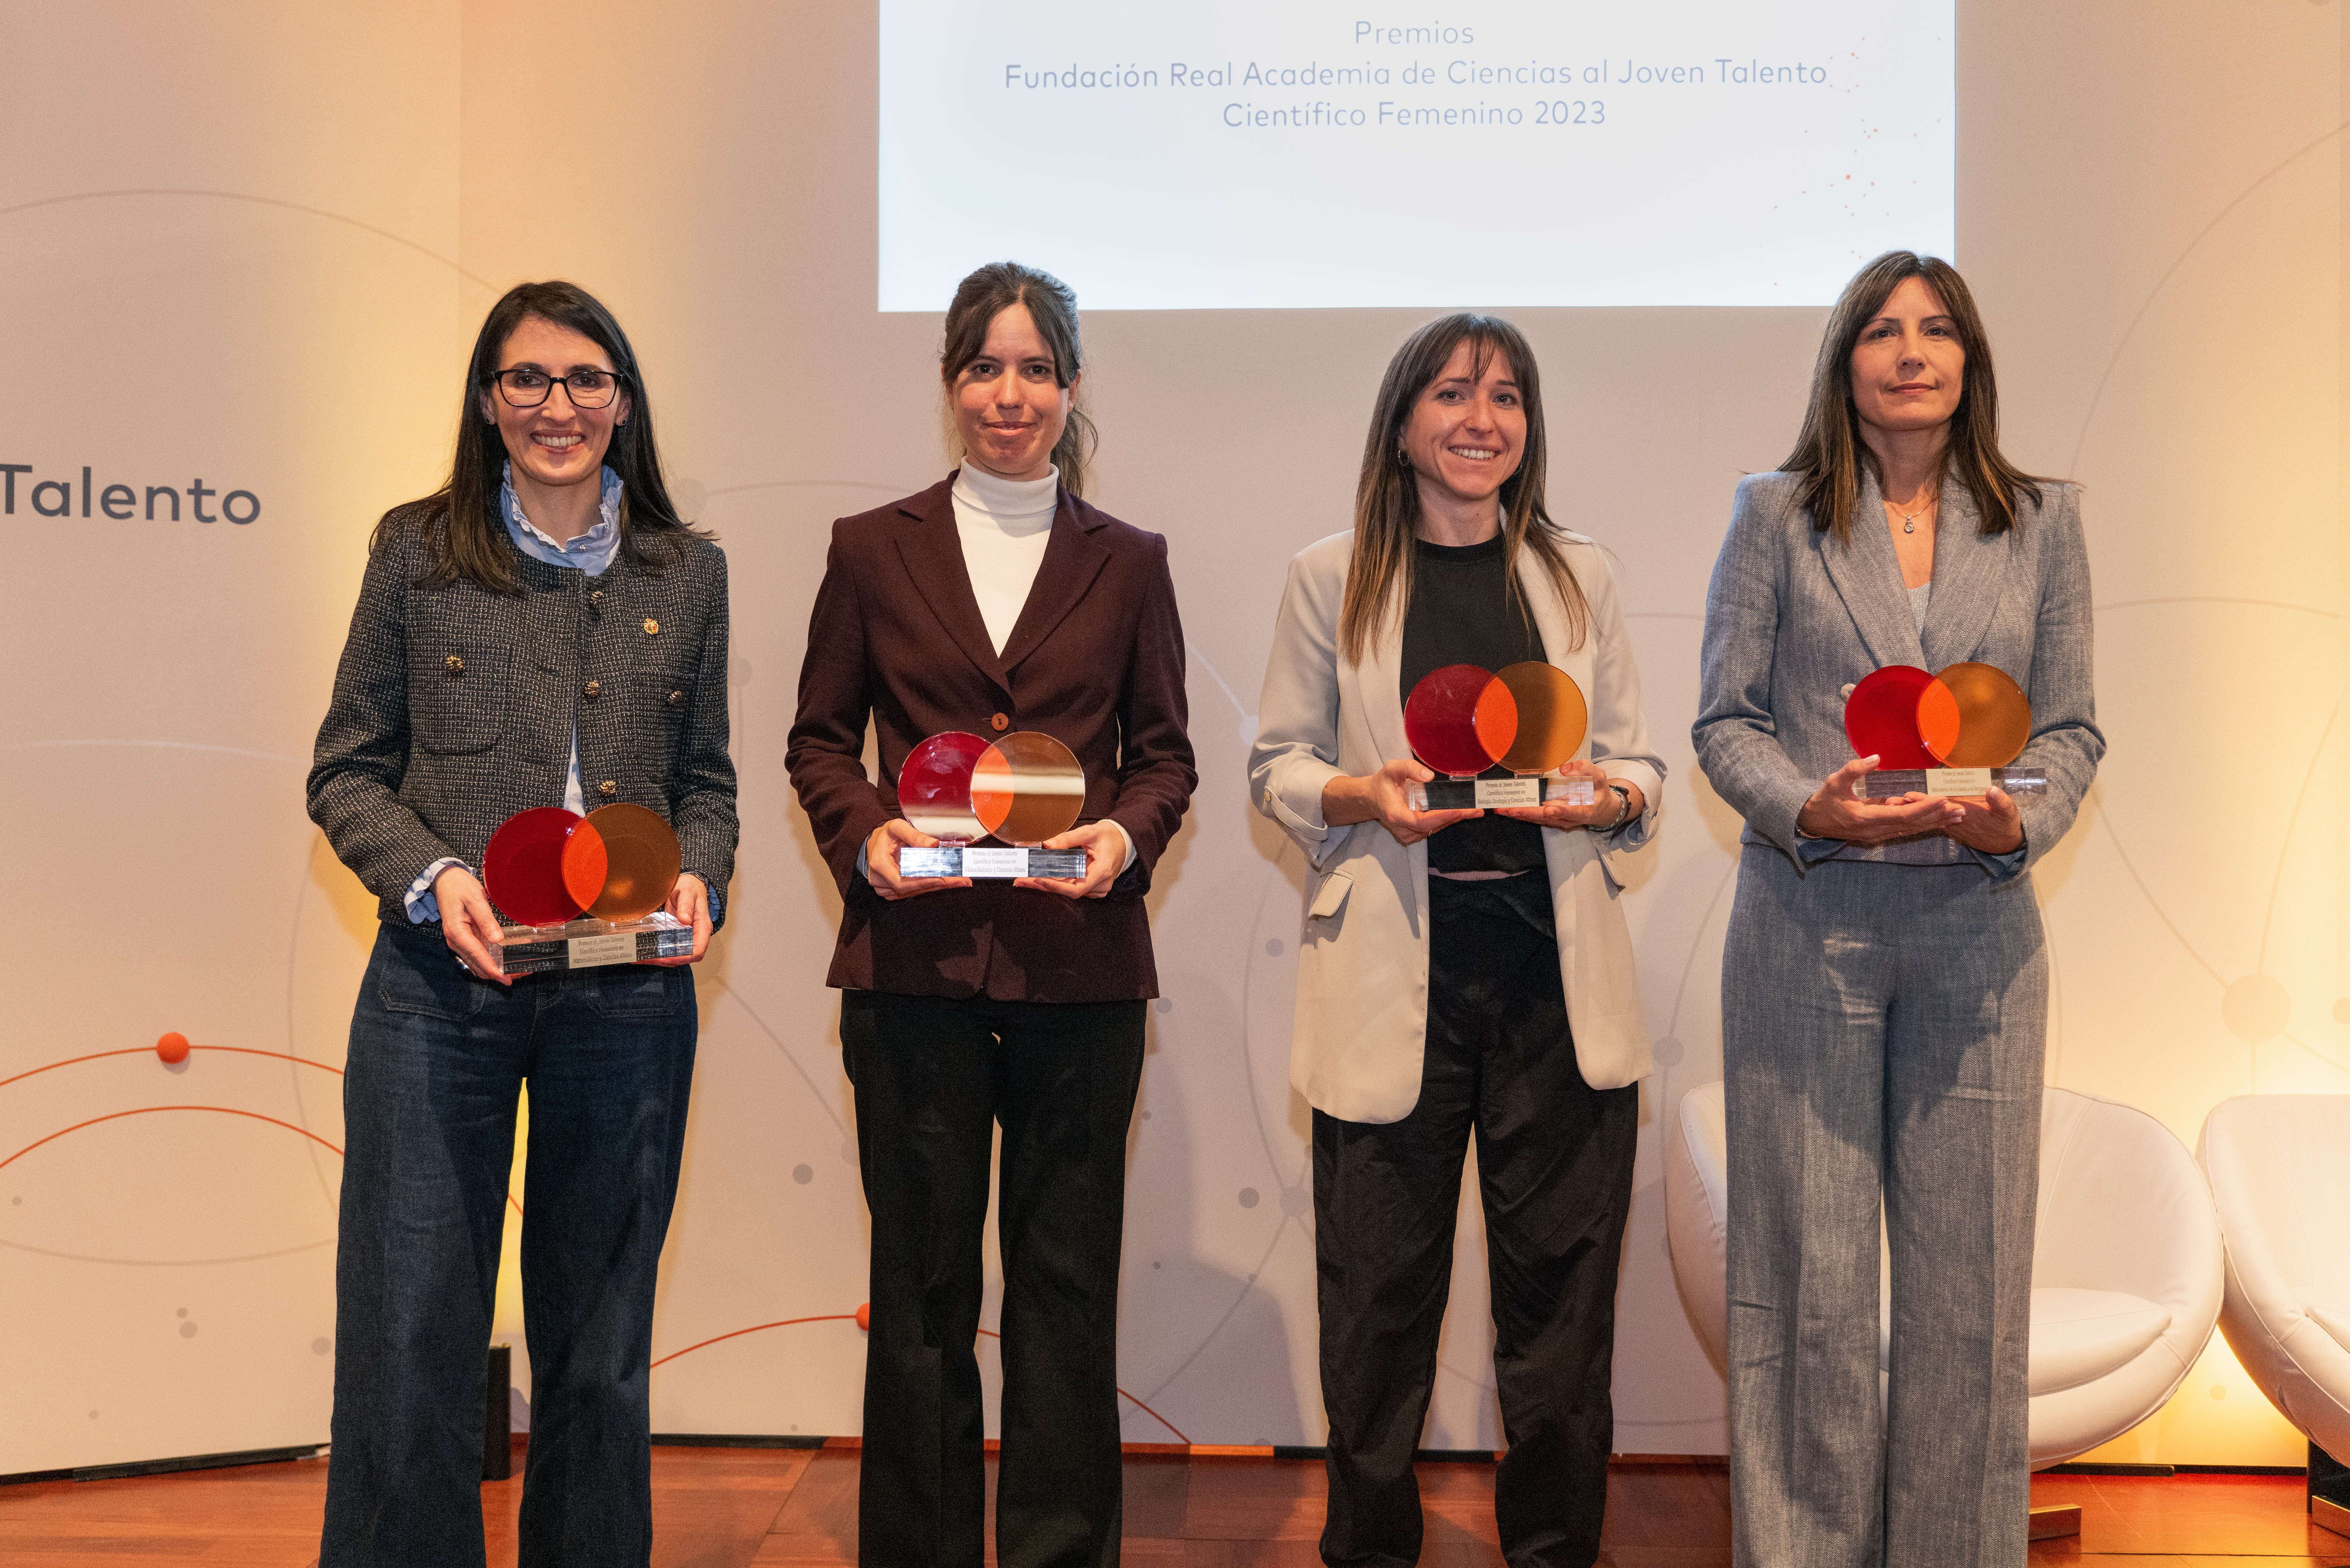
{"points": [[1909, 519]]}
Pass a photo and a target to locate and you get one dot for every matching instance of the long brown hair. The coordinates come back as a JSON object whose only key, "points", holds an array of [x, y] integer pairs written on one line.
{"points": [[1829, 451], [986, 293], [464, 532], [1386, 496]]}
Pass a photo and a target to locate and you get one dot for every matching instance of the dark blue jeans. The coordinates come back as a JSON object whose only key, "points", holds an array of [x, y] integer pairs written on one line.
{"points": [[436, 1061]]}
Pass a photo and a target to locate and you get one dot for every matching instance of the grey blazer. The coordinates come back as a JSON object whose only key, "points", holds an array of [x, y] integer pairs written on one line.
{"points": [[1361, 1024], [1794, 619], [454, 709]]}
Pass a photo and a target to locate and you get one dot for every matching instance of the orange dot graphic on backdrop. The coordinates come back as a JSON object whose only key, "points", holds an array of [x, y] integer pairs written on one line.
{"points": [[173, 1047], [1551, 717], [1027, 787]]}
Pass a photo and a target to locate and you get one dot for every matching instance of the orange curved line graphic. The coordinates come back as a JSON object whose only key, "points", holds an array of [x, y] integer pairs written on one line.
{"points": [[148, 1050], [220, 1110], [1137, 1403], [851, 1317], [150, 1110], [755, 1328]]}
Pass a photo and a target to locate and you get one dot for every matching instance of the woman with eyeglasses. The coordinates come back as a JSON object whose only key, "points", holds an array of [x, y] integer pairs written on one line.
{"points": [[994, 601], [542, 630]]}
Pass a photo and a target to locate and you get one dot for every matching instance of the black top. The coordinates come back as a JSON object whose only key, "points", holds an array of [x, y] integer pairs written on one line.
{"points": [[1462, 613]]}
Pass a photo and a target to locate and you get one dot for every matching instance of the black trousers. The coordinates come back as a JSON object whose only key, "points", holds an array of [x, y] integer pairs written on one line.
{"points": [[934, 1076], [1554, 1161]]}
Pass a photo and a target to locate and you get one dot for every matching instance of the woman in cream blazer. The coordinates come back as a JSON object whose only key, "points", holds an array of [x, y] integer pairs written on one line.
{"points": [[1494, 991]]}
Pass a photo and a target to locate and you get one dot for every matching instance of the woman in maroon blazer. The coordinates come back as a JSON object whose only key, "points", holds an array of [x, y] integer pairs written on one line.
{"points": [[996, 600]]}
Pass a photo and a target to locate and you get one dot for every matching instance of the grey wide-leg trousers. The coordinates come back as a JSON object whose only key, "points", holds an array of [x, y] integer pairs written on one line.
{"points": [[1883, 1029]]}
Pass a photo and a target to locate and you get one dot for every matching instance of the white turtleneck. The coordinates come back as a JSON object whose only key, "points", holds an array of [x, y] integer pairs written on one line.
{"points": [[1004, 526]]}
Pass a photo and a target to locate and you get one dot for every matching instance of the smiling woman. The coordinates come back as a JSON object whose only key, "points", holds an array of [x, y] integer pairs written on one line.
{"points": [[1885, 978], [1432, 994], [540, 631], [995, 597]]}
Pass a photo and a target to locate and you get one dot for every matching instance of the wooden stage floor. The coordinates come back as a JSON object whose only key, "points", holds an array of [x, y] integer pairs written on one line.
{"points": [[729, 1508]]}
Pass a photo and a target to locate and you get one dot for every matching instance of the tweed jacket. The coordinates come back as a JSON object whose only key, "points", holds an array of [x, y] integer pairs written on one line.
{"points": [[1361, 1028], [454, 708], [1096, 660], [1794, 619]]}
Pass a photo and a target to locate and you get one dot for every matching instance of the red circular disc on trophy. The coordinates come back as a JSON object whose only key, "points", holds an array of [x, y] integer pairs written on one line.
{"points": [[934, 786], [523, 866], [1551, 717], [1880, 717], [1460, 720], [1982, 718], [1027, 787], [640, 855]]}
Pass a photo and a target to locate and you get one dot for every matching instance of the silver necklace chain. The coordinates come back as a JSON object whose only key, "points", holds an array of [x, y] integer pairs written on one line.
{"points": [[1909, 519]]}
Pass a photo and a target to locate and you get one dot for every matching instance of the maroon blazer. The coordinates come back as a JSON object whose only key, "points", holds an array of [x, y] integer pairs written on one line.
{"points": [[1096, 660]]}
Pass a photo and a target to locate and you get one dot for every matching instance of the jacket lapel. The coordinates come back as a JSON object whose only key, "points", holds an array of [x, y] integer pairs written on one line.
{"points": [[1968, 576], [1867, 576], [1073, 559], [933, 558]]}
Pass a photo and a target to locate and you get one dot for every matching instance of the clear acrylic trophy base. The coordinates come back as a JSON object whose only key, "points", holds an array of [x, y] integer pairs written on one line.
{"points": [[590, 943], [1887, 782], [1483, 795], [989, 864]]}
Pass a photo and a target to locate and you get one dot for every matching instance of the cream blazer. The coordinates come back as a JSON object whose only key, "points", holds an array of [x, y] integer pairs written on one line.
{"points": [[1362, 981]]}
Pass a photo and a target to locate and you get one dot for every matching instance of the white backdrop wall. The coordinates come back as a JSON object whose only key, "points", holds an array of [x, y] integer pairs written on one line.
{"points": [[247, 246]]}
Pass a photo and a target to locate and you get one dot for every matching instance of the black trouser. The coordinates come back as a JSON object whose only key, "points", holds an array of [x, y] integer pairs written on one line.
{"points": [[933, 1076], [1555, 1160]]}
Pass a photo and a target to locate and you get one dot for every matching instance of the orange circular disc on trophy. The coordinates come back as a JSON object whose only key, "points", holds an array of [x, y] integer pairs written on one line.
{"points": [[1552, 717], [585, 863], [641, 861], [1027, 787], [522, 865], [1993, 718]]}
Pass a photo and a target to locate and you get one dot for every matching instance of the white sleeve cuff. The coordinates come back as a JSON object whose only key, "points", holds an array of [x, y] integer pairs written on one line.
{"points": [[421, 905]]}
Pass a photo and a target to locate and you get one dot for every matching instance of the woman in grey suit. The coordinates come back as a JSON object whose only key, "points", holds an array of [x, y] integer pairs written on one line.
{"points": [[1459, 970], [1884, 982]]}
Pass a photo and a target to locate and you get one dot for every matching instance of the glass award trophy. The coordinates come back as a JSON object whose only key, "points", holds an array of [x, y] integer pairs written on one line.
{"points": [[1462, 720], [1020, 790], [1951, 734], [587, 890]]}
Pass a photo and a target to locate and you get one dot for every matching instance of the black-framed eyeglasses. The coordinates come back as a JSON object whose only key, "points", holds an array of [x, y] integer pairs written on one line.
{"points": [[527, 388]]}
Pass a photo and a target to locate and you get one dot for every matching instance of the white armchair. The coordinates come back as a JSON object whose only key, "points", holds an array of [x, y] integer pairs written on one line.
{"points": [[2279, 1166], [2126, 1264]]}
